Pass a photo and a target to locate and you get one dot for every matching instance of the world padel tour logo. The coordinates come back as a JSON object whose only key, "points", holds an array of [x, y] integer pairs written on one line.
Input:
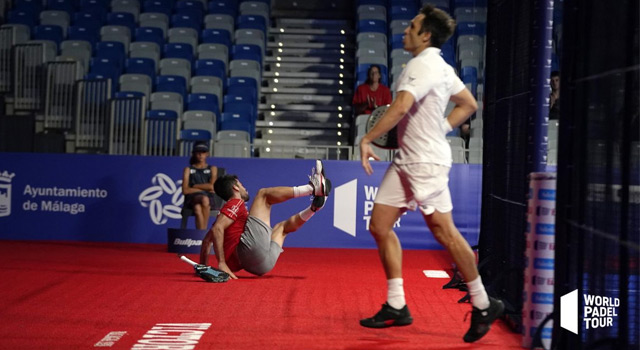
{"points": [[5, 193], [346, 215], [164, 199], [598, 311]]}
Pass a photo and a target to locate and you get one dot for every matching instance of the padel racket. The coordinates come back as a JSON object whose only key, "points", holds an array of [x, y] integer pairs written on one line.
{"points": [[207, 273], [388, 140]]}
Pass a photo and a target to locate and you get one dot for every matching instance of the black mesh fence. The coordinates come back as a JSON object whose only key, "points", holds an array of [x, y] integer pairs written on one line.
{"points": [[598, 204], [505, 187]]}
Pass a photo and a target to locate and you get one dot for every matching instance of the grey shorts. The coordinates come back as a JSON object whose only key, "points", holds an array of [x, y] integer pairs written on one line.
{"points": [[256, 252]]}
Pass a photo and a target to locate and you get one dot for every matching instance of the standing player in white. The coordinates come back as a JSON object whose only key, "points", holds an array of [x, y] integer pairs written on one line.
{"points": [[419, 173]]}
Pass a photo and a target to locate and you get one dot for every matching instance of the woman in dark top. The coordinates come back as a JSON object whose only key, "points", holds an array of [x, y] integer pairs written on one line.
{"points": [[197, 184]]}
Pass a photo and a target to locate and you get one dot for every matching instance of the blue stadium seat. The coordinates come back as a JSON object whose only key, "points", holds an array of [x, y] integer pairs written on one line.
{"points": [[151, 34], [172, 83], [246, 52], [203, 102], [471, 28], [372, 25], [89, 34], [211, 67], [189, 5], [89, 20], [251, 22], [32, 6], [242, 108], [114, 50], [178, 50], [125, 19], [236, 84], [216, 36], [128, 94], [225, 7], [241, 93], [27, 18], [48, 32], [141, 66], [402, 12], [103, 68], [396, 41], [188, 137], [186, 21], [160, 6], [194, 9], [98, 7], [62, 5], [237, 121]]}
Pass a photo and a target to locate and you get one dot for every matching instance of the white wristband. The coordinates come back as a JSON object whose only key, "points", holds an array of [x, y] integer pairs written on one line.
{"points": [[447, 127]]}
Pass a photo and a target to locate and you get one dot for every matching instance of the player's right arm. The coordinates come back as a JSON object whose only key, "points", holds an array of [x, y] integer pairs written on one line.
{"points": [[217, 235]]}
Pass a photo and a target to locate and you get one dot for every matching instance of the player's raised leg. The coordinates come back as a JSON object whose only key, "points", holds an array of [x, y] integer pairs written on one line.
{"points": [[318, 186]]}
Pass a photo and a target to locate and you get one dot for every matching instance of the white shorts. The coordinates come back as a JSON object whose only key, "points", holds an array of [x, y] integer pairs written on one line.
{"points": [[418, 184]]}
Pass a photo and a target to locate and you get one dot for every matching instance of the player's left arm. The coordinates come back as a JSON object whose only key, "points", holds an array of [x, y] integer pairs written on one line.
{"points": [[466, 105]]}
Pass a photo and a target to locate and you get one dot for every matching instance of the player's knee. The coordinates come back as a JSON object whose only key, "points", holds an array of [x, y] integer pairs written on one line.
{"points": [[206, 202], [379, 230], [262, 193]]}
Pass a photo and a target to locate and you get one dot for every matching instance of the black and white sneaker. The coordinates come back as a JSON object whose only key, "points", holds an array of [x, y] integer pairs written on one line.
{"points": [[318, 180], [481, 320], [388, 317], [318, 203]]}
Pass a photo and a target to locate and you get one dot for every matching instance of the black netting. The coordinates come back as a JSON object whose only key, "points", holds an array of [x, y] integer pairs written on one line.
{"points": [[508, 74], [598, 205]]}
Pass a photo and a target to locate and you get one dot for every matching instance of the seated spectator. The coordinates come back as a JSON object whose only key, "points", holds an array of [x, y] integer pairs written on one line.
{"points": [[372, 94], [197, 184], [554, 96]]}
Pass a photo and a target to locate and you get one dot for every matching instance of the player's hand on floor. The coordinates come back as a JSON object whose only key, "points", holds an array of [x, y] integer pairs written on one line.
{"points": [[225, 268]]}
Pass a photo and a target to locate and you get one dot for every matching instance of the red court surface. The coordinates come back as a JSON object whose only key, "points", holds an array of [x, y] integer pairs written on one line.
{"points": [[70, 295]]}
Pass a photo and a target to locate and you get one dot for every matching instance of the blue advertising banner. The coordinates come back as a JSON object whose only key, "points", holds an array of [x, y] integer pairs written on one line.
{"points": [[137, 199]]}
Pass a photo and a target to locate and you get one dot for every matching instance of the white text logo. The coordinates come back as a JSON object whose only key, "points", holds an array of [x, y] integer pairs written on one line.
{"points": [[152, 197]]}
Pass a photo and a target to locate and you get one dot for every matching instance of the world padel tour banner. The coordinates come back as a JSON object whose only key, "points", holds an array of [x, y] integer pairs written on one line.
{"points": [[137, 199]]}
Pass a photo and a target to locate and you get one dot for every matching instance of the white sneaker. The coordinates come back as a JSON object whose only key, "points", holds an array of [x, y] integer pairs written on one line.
{"points": [[321, 185]]}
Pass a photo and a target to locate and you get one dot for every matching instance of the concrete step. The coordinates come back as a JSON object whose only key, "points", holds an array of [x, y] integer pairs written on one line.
{"points": [[305, 82], [291, 52], [345, 110], [308, 45], [283, 98], [314, 60], [307, 90], [341, 30], [307, 123], [278, 37], [308, 75], [325, 118], [312, 23]]}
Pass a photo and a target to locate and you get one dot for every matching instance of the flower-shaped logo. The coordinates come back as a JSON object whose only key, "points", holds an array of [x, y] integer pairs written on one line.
{"points": [[152, 198]]}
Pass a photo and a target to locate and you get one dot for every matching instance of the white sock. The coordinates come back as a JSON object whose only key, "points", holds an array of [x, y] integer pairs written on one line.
{"points": [[395, 293], [479, 297], [301, 191], [306, 214]]}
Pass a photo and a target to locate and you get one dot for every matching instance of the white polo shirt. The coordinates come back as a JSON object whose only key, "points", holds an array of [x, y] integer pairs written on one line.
{"points": [[421, 136]]}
